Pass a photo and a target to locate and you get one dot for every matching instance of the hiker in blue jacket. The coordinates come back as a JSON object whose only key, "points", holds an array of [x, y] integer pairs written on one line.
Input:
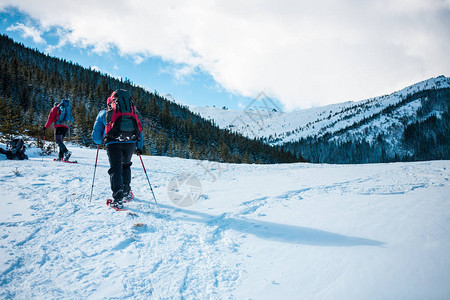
{"points": [[119, 127]]}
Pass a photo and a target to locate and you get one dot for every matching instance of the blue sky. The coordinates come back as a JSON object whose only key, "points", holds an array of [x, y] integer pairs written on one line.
{"points": [[226, 52], [196, 88]]}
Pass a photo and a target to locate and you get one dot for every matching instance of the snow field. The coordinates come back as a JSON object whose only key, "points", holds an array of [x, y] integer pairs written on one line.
{"points": [[297, 231]]}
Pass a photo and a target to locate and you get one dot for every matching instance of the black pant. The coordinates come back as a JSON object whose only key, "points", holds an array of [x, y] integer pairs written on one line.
{"points": [[119, 155], [60, 133]]}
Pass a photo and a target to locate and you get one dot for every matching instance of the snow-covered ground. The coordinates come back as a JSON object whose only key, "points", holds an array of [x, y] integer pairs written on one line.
{"points": [[288, 231]]}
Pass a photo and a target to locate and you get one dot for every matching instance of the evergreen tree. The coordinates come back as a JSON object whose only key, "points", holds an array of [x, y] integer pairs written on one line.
{"points": [[11, 118], [31, 82]]}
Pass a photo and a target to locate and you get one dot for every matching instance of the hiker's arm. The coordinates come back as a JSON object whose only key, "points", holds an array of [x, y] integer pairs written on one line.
{"points": [[99, 128], [140, 142], [52, 117]]}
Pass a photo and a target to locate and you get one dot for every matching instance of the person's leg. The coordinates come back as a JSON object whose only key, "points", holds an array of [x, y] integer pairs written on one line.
{"points": [[62, 147], [115, 156], [66, 151], [128, 150], [60, 132]]}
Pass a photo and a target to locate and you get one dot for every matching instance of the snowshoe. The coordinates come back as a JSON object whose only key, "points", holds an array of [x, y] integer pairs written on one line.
{"points": [[117, 205], [66, 161], [128, 196]]}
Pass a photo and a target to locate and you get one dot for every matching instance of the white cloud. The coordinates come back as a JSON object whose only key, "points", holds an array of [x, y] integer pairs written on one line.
{"points": [[96, 68], [180, 72], [302, 52], [184, 72], [138, 59], [28, 32]]}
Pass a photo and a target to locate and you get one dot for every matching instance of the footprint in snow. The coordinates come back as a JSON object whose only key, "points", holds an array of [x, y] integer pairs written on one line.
{"points": [[142, 227], [124, 244]]}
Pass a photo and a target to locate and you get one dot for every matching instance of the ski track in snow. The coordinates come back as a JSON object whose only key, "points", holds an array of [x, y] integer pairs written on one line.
{"points": [[299, 231]]}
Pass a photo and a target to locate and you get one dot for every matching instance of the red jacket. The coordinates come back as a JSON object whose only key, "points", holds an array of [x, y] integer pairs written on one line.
{"points": [[53, 117]]}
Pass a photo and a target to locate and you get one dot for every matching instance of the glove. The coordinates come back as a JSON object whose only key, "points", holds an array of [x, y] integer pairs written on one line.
{"points": [[139, 151], [43, 128]]}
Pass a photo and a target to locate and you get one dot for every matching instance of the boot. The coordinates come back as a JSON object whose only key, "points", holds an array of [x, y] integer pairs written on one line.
{"points": [[67, 155], [128, 196], [117, 204]]}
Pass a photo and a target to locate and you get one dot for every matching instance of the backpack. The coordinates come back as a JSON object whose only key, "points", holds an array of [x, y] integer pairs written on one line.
{"points": [[16, 149], [65, 112], [122, 122]]}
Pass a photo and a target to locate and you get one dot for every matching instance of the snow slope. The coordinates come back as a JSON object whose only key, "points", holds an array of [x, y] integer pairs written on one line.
{"points": [[258, 120], [291, 231]]}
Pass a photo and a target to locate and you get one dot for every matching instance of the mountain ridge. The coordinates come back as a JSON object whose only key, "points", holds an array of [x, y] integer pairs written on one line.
{"points": [[219, 115], [383, 119]]}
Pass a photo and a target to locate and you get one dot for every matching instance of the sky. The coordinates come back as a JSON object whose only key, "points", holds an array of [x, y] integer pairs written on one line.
{"points": [[301, 54]]}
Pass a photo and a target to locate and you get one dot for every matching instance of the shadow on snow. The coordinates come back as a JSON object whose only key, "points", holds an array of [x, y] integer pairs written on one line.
{"points": [[269, 230]]}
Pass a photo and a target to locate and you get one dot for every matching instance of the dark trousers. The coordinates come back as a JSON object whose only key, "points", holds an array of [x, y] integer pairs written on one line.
{"points": [[119, 156], [60, 133]]}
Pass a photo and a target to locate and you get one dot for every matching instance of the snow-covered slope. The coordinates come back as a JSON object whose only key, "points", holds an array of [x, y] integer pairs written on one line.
{"points": [[259, 121], [292, 231]]}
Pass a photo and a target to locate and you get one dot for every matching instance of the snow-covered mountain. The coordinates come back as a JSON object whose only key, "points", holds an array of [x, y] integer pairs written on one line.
{"points": [[260, 120], [290, 231]]}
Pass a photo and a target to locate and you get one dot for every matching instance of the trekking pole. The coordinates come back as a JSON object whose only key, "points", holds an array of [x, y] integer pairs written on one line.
{"points": [[95, 168], [145, 171], [43, 147]]}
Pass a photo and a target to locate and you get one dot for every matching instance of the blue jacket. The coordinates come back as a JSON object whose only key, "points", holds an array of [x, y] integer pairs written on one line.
{"points": [[98, 132]]}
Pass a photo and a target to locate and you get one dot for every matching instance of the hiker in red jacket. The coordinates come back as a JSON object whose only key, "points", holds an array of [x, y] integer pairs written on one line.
{"points": [[61, 115]]}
